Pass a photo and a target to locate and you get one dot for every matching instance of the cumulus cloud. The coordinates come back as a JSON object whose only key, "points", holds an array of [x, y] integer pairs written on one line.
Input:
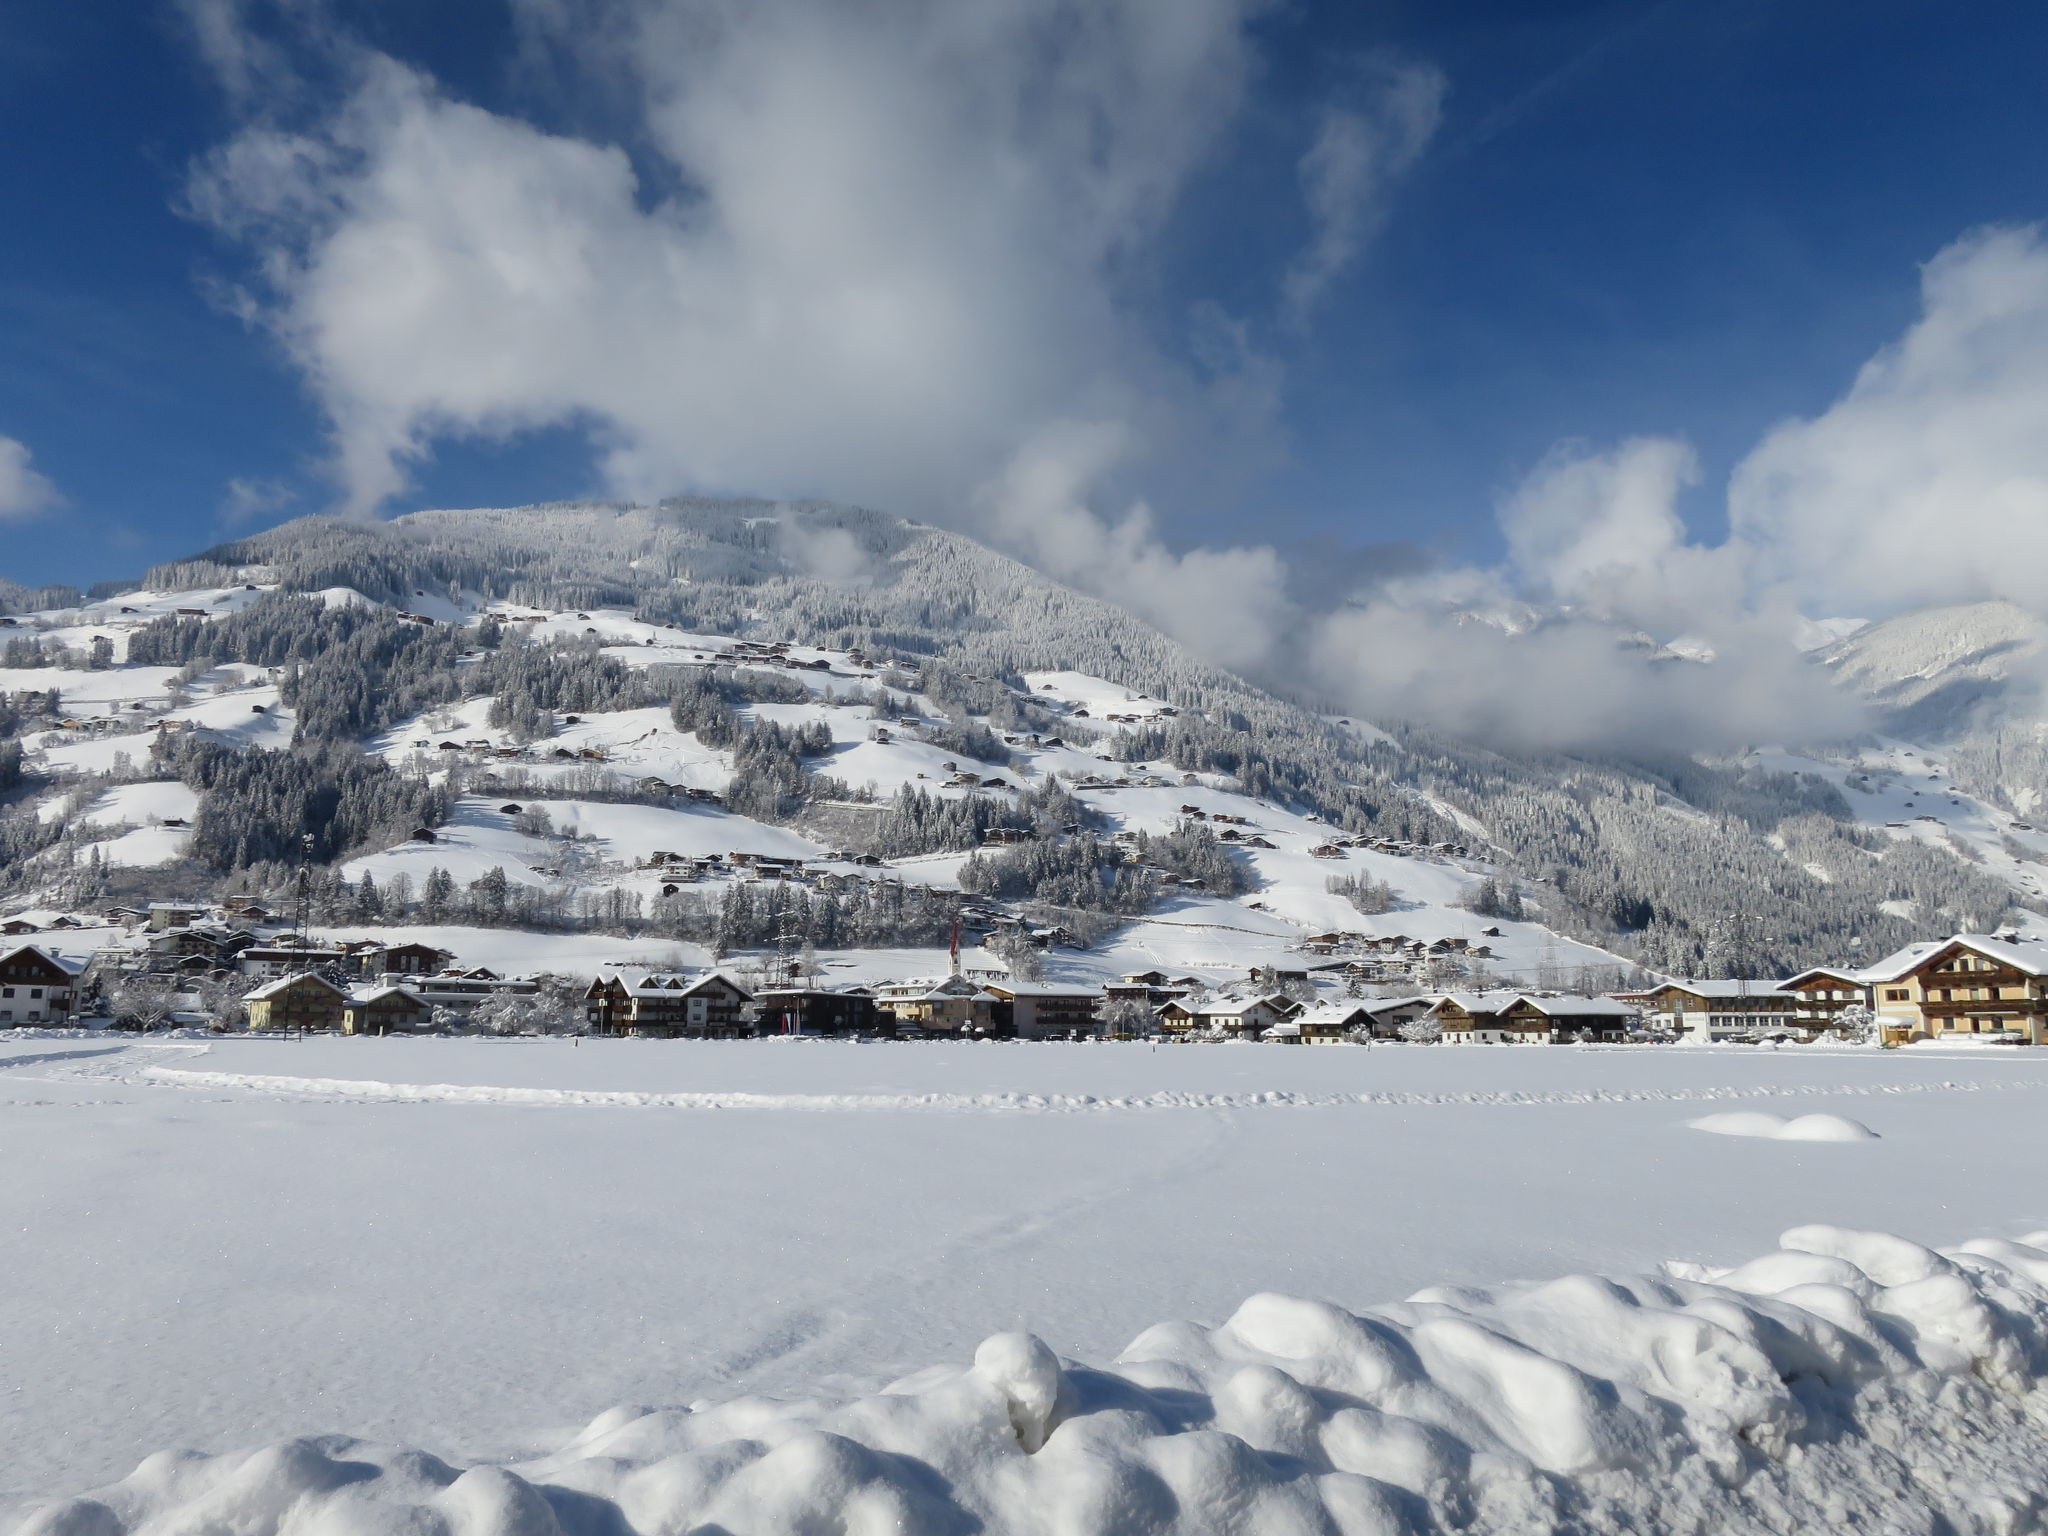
{"points": [[1359, 150], [24, 491], [894, 251], [1591, 632], [1927, 481], [875, 245]]}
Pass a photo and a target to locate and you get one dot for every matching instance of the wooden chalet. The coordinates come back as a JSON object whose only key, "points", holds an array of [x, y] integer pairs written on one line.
{"points": [[953, 1005], [384, 1011], [303, 1001], [37, 987], [1731, 1009], [667, 1006], [1981, 986], [1034, 1010], [1521, 1018], [1819, 995], [818, 1011]]}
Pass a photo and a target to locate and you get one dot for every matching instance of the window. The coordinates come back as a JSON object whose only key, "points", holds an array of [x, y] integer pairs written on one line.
{"points": [[7, 992], [1895, 994], [35, 991]]}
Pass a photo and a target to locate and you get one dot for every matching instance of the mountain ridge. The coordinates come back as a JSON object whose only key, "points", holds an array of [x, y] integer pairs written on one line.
{"points": [[1683, 864]]}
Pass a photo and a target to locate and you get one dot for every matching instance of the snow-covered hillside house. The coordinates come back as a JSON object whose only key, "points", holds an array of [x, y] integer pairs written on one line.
{"points": [[1722, 1010], [1820, 994], [1037, 1010], [302, 1001], [1155, 989], [1327, 1023], [1979, 985], [1330, 1023], [1241, 1016], [37, 986], [384, 1010], [667, 1005], [1522, 1018], [410, 959], [952, 1005], [821, 1011], [460, 990], [165, 915], [268, 962]]}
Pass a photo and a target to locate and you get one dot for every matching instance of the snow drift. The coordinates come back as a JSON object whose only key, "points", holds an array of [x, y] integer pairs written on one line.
{"points": [[1771, 1127], [1851, 1380]]}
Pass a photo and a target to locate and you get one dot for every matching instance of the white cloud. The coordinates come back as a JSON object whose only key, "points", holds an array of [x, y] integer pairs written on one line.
{"points": [[1928, 481], [244, 500], [891, 254], [1359, 150], [1229, 604], [24, 491]]}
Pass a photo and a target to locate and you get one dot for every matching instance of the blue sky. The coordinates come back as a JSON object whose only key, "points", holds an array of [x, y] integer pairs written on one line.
{"points": [[1686, 219]]}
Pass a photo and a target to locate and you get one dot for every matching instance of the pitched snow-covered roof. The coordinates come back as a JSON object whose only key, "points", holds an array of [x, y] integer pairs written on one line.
{"points": [[1721, 988], [272, 988], [1813, 972], [1042, 989], [376, 994], [1332, 1013], [2028, 955], [1555, 1007], [1579, 1006], [62, 962]]}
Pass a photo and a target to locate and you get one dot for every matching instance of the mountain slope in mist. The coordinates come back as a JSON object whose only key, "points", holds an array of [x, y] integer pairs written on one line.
{"points": [[1732, 865]]}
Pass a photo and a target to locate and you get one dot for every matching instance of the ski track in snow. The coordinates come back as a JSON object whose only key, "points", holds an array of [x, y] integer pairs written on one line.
{"points": [[373, 1091]]}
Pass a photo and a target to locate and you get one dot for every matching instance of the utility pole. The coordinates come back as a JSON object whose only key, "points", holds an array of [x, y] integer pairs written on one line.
{"points": [[305, 888]]}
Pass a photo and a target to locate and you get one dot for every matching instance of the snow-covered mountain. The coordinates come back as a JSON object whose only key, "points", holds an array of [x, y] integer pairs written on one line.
{"points": [[563, 693]]}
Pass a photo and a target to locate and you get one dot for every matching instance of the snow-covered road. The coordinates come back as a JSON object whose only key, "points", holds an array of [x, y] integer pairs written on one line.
{"points": [[226, 1248]]}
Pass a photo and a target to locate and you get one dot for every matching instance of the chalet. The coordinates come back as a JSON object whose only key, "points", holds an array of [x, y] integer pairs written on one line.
{"points": [[462, 990], [1520, 1018], [1819, 995], [411, 959], [1245, 1018], [1721, 1010], [301, 1001], [37, 986], [384, 1010], [174, 914], [1033, 1010], [1330, 1023], [662, 1005], [269, 961], [953, 1005], [1154, 989], [15, 927], [125, 917], [817, 1011], [1981, 986]]}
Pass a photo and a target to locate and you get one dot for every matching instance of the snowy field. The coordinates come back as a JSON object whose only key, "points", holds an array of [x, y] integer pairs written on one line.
{"points": [[474, 1247]]}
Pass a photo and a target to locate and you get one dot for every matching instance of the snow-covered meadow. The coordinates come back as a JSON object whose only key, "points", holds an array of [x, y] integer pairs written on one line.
{"points": [[475, 1247]]}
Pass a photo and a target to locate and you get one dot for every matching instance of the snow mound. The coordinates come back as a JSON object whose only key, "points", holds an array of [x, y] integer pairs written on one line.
{"points": [[1778, 1128], [1852, 1380]]}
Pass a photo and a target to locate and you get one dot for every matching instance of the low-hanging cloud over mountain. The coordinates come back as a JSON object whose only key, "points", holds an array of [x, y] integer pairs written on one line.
{"points": [[896, 252]]}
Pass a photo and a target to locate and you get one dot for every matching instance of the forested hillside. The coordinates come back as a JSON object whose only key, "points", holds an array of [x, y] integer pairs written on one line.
{"points": [[370, 631]]}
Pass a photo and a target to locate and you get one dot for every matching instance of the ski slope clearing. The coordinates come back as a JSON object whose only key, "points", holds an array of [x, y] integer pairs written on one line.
{"points": [[480, 1279], [1906, 790]]}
